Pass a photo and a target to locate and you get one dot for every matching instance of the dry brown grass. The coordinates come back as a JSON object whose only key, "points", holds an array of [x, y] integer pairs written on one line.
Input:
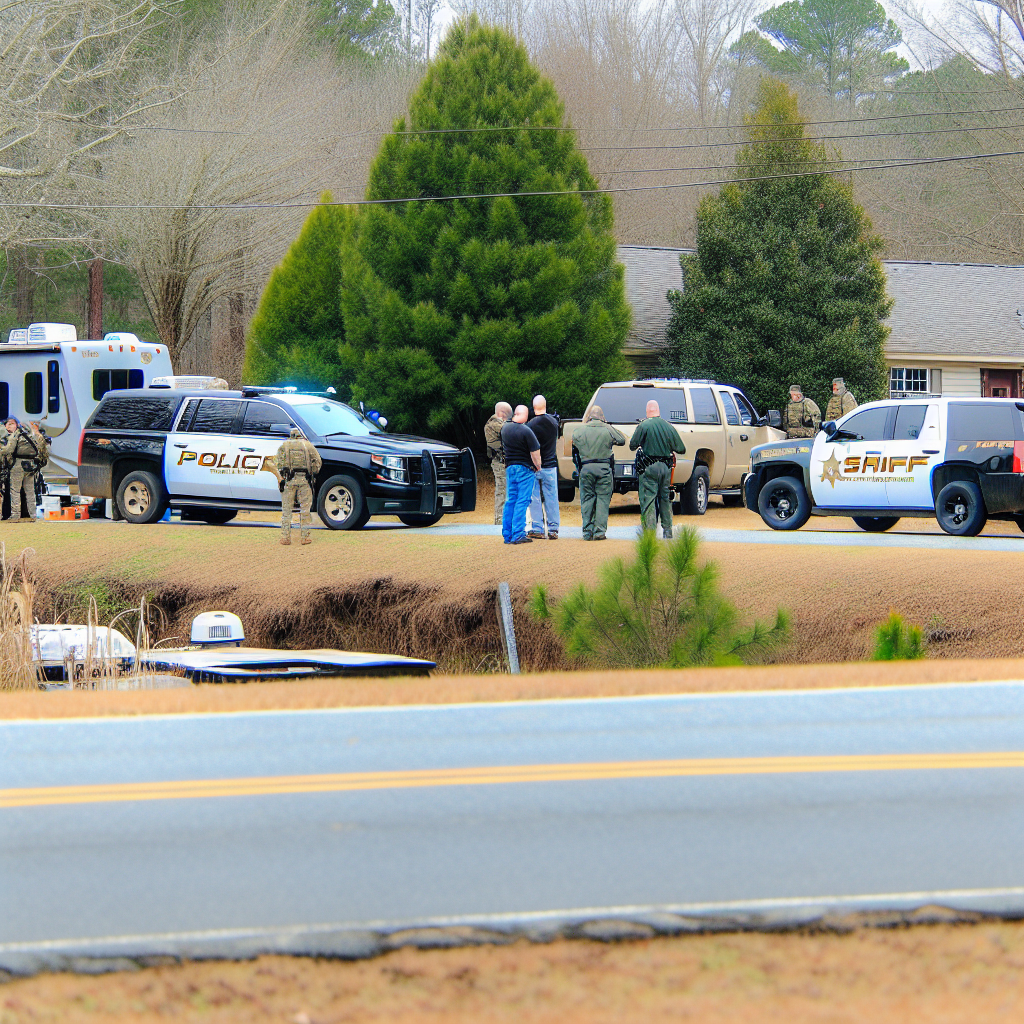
{"points": [[942, 974], [459, 689], [433, 596]]}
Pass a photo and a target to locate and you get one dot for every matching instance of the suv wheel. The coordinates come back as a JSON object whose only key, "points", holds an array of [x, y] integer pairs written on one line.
{"points": [[695, 494], [141, 497], [876, 524], [783, 503], [960, 509], [341, 505]]}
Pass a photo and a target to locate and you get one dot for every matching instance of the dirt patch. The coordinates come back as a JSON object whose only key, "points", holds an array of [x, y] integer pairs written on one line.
{"points": [[941, 974], [433, 595], [462, 689]]}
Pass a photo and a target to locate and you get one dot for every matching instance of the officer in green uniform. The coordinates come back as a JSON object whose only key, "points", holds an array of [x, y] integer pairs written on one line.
{"points": [[657, 440], [25, 451], [592, 452], [298, 463], [492, 439], [802, 417]]}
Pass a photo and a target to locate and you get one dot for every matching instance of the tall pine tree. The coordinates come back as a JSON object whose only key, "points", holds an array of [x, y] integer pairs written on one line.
{"points": [[297, 334], [450, 306], [786, 285]]}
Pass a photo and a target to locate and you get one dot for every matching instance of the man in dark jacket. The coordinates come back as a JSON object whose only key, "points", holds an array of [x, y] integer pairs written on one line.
{"points": [[544, 504]]}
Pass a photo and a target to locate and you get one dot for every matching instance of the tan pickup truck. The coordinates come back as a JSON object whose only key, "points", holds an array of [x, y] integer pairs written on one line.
{"points": [[717, 423]]}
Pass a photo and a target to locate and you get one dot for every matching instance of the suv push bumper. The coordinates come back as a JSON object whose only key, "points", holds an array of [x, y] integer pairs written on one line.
{"points": [[440, 483]]}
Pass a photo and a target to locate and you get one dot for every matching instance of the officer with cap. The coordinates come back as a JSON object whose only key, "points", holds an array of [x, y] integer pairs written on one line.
{"points": [[841, 402], [592, 452], [802, 417], [298, 463]]}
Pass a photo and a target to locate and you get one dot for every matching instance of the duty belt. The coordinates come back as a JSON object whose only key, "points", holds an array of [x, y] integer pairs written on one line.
{"points": [[594, 462]]}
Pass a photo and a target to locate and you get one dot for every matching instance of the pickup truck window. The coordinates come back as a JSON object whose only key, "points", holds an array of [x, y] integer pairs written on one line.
{"points": [[747, 415], [869, 424], [629, 405], [909, 421], [262, 418], [704, 408], [135, 414], [732, 417], [983, 421], [216, 416]]}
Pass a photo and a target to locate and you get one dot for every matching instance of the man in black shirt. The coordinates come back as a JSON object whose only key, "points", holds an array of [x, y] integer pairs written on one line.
{"points": [[545, 490], [522, 460]]}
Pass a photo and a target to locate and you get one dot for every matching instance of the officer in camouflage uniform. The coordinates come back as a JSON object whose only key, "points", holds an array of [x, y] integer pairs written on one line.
{"points": [[802, 417], [492, 438], [841, 402], [658, 440], [26, 453], [6, 460], [592, 452], [298, 462]]}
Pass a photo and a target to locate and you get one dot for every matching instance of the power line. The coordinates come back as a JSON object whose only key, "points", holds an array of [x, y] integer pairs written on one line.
{"points": [[823, 138], [556, 128], [503, 195]]}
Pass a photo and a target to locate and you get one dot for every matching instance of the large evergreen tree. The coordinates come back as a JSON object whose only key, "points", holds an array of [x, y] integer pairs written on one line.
{"points": [[846, 46], [453, 305], [786, 285], [297, 334]]}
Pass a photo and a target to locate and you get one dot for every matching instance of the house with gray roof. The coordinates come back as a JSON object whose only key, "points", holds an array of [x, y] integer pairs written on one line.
{"points": [[956, 328]]}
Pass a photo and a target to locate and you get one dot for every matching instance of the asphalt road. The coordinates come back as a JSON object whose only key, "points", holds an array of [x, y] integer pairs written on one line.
{"points": [[325, 830]]}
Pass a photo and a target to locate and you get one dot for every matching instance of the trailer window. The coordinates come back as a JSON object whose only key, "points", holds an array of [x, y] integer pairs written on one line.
{"points": [[115, 380], [52, 386], [5, 400], [33, 393]]}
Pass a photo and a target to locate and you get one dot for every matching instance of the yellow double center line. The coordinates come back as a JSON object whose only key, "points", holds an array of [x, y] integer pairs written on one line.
{"points": [[192, 789]]}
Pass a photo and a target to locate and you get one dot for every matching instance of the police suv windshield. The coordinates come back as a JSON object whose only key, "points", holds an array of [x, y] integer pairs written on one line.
{"points": [[325, 417]]}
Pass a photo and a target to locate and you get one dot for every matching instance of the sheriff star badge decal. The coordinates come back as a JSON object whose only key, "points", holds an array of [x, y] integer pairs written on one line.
{"points": [[830, 470]]}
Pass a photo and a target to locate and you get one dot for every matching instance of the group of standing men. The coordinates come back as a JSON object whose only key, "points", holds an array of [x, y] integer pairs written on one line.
{"points": [[802, 417], [23, 454], [525, 464]]}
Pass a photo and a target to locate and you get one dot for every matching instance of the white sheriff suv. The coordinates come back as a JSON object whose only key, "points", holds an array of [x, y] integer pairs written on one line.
{"points": [[958, 459]]}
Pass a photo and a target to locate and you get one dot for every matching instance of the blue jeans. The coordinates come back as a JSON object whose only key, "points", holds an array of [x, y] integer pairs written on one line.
{"points": [[519, 481], [545, 490]]}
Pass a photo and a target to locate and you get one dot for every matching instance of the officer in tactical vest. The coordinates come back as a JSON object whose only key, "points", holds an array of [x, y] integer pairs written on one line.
{"points": [[492, 439], [656, 441], [6, 459], [592, 452], [802, 417], [25, 452], [298, 463], [841, 402]]}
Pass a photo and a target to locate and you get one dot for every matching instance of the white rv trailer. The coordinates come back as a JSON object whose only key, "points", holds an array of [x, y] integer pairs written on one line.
{"points": [[48, 375]]}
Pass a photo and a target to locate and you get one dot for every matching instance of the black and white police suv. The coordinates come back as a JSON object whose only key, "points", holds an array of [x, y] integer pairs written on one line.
{"points": [[208, 454], [958, 459]]}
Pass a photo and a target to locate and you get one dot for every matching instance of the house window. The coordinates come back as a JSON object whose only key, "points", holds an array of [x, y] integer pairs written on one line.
{"points": [[906, 381]]}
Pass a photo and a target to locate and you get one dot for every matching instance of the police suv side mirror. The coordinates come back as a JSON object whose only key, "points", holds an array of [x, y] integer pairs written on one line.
{"points": [[830, 428]]}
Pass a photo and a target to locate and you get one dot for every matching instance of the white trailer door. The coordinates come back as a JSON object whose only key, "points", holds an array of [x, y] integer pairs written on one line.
{"points": [[200, 456]]}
